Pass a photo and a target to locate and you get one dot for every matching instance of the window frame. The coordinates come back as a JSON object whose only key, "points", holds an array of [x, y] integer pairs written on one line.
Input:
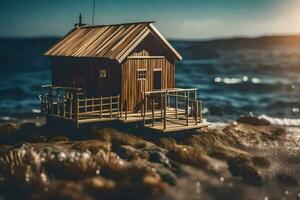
{"points": [[141, 74], [102, 72]]}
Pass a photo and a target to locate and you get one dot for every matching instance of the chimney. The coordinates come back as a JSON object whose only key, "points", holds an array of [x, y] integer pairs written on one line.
{"points": [[79, 24]]}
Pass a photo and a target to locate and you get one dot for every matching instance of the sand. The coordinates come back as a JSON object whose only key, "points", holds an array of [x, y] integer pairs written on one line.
{"points": [[232, 161]]}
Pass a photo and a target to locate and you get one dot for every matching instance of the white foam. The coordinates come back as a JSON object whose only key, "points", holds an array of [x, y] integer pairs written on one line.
{"points": [[281, 121], [36, 110]]}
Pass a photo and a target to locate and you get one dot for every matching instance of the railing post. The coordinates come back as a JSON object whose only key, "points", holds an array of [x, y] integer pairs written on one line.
{"points": [[64, 107], [161, 107], [176, 104], [165, 111], [51, 101], [144, 110], [100, 107], [142, 102], [85, 104], [153, 111], [93, 103], [71, 106], [57, 109], [187, 110], [196, 111], [77, 109], [118, 103], [110, 106], [121, 107], [200, 111], [126, 108]]}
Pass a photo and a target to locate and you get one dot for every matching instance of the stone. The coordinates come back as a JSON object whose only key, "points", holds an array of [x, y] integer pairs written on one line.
{"points": [[287, 180], [241, 166], [253, 120]]}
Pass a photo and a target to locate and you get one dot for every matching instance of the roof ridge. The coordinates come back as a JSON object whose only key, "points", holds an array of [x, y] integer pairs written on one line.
{"points": [[118, 24]]}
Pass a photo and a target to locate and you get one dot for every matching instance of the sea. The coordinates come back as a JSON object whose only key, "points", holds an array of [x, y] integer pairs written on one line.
{"points": [[235, 76]]}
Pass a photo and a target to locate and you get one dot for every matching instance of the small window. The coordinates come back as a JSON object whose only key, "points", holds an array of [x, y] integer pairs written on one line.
{"points": [[103, 73], [141, 74]]}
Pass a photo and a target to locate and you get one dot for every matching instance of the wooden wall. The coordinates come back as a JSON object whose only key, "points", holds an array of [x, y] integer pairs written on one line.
{"points": [[84, 73], [131, 87], [150, 54]]}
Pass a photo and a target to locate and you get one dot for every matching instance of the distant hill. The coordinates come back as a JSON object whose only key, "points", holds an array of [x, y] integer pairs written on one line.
{"points": [[27, 53], [209, 48]]}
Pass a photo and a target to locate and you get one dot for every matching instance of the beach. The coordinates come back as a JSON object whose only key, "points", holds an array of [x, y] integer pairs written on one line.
{"points": [[249, 159]]}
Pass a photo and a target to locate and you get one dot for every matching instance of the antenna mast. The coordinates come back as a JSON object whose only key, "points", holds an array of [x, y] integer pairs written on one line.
{"points": [[94, 4]]}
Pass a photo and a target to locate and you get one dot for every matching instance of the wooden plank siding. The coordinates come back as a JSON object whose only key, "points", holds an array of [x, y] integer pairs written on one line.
{"points": [[131, 88], [84, 73]]}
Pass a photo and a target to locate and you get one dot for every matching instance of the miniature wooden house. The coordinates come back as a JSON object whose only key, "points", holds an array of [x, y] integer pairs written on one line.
{"points": [[125, 59], [128, 61]]}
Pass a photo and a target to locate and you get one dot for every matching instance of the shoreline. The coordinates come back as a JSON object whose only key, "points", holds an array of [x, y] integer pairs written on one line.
{"points": [[231, 160]]}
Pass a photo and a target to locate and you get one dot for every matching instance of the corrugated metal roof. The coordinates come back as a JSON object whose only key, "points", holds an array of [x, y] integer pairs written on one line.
{"points": [[109, 41]]}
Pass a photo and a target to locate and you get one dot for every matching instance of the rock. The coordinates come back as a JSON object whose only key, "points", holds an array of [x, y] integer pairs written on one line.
{"points": [[159, 157], [241, 166], [253, 120], [260, 161], [9, 133], [278, 134], [92, 145], [98, 182], [167, 143], [287, 180], [130, 153]]}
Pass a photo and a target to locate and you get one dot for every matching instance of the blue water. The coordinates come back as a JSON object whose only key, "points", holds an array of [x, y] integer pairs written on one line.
{"points": [[234, 78]]}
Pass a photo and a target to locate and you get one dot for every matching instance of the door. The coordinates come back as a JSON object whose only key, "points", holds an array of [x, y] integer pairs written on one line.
{"points": [[157, 80]]}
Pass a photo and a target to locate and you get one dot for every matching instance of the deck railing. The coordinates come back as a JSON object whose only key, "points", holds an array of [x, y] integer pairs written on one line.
{"points": [[157, 107], [71, 103], [171, 105]]}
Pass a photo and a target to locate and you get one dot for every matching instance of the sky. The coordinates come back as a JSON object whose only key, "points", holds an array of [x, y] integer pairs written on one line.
{"points": [[176, 19]]}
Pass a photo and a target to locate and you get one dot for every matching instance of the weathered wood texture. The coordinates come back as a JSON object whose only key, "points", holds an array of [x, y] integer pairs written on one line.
{"points": [[114, 41], [131, 87], [85, 73]]}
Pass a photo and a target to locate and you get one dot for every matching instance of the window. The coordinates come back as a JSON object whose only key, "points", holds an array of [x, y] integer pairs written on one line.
{"points": [[141, 74], [103, 73]]}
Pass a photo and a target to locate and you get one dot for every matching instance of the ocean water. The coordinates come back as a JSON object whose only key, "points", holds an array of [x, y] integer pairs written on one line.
{"points": [[235, 77]]}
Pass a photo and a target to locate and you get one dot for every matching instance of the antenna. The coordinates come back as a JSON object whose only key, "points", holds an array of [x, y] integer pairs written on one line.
{"points": [[94, 4], [80, 19]]}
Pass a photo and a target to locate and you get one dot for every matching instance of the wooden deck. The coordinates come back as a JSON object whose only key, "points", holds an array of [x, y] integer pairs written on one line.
{"points": [[158, 112]]}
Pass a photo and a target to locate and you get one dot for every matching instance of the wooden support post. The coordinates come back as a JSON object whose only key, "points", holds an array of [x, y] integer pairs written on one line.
{"points": [[145, 104], [167, 98], [187, 110], [200, 111], [64, 107], [77, 109], [118, 103], [161, 107], [126, 109], [153, 111], [51, 101], [93, 103], [100, 107], [85, 104], [71, 106], [165, 111], [176, 104], [122, 107], [142, 102], [110, 106], [196, 111], [57, 109]]}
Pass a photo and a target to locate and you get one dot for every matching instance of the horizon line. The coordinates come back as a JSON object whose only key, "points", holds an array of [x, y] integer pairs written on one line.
{"points": [[171, 38]]}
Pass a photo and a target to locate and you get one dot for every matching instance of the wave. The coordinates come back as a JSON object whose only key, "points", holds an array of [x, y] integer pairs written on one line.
{"points": [[281, 121]]}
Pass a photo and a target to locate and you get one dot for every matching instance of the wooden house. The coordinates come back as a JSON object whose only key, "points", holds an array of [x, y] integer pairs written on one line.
{"points": [[112, 69]]}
